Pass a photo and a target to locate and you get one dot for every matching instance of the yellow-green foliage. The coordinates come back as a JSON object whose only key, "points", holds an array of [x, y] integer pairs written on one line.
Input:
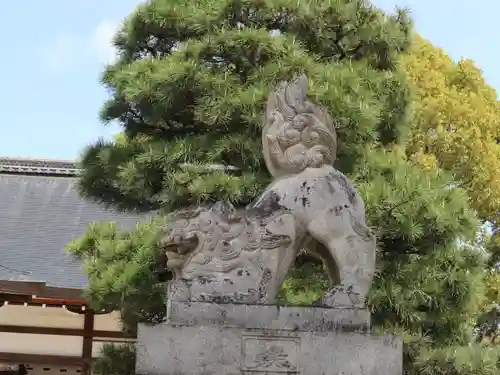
{"points": [[456, 123]]}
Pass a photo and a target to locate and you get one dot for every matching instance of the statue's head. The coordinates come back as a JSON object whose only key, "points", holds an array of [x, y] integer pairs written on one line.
{"points": [[186, 230], [298, 134], [180, 238]]}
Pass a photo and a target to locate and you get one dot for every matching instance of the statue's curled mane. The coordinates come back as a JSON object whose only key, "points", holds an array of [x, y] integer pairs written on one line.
{"points": [[298, 134]]}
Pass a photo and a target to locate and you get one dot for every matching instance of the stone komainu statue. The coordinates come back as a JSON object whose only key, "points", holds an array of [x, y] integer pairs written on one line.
{"points": [[220, 254]]}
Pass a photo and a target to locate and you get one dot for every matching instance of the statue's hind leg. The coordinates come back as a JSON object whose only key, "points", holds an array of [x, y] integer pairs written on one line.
{"points": [[352, 247]]}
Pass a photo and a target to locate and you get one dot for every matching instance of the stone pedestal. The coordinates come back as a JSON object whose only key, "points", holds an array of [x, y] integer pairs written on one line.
{"points": [[225, 339]]}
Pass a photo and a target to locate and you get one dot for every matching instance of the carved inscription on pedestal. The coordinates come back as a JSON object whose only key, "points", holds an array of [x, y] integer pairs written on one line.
{"points": [[270, 355]]}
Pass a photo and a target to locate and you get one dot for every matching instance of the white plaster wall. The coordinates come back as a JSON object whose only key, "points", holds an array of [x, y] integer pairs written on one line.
{"points": [[37, 316], [25, 343], [108, 322]]}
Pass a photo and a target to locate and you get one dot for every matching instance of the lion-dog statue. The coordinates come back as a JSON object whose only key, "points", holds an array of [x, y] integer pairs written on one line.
{"points": [[218, 253]]}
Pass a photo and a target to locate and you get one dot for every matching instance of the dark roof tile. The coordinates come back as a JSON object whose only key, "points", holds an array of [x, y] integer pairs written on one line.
{"points": [[39, 215]]}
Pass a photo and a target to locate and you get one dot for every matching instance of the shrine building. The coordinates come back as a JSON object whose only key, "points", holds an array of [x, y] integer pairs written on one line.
{"points": [[46, 327]]}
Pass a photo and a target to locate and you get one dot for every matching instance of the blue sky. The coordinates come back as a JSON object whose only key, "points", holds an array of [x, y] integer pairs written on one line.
{"points": [[57, 49]]}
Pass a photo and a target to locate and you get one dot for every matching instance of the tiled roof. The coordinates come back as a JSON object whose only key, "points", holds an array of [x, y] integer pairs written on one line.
{"points": [[40, 212], [68, 168], [38, 166]]}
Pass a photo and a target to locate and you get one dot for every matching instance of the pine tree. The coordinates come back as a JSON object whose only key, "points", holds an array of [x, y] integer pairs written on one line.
{"points": [[116, 359], [191, 81], [488, 323], [189, 90]]}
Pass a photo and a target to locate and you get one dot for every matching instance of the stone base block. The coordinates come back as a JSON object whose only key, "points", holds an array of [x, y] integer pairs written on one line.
{"points": [[206, 344]]}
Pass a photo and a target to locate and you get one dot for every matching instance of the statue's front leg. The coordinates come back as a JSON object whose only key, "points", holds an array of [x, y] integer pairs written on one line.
{"points": [[347, 294], [352, 248]]}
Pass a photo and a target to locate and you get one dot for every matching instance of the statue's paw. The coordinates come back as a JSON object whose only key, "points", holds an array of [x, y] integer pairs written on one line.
{"points": [[339, 297]]}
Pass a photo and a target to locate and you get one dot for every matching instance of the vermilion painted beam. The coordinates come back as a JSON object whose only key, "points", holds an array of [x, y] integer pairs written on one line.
{"points": [[88, 333], [62, 331], [40, 359]]}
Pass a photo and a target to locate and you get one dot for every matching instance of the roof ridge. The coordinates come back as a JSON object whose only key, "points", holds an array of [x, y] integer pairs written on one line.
{"points": [[35, 159], [38, 166]]}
